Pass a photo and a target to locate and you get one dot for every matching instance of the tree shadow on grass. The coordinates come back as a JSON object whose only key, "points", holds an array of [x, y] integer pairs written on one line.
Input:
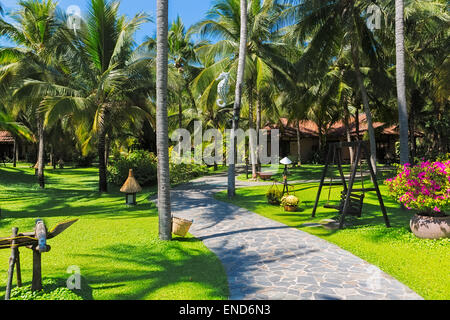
{"points": [[141, 271]]}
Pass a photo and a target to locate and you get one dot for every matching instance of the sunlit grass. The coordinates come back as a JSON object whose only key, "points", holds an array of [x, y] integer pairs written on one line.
{"points": [[116, 247]]}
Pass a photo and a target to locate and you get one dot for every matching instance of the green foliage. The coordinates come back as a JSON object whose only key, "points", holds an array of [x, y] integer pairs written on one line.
{"points": [[143, 163], [273, 196], [52, 290], [182, 172]]}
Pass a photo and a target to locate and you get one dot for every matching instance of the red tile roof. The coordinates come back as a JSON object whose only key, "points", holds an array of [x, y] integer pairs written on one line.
{"points": [[309, 128], [6, 137]]}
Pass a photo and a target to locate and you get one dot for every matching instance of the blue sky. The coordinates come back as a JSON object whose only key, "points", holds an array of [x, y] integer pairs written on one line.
{"points": [[190, 11]]}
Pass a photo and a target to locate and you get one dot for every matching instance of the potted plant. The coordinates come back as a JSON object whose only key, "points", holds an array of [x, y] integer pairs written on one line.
{"points": [[273, 196], [290, 203], [424, 189]]}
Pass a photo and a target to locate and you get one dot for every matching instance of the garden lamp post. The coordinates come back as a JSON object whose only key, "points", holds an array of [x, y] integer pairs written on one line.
{"points": [[130, 188], [285, 161]]}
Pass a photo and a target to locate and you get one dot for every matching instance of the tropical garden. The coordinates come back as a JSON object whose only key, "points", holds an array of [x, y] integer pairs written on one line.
{"points": [[85, 102]]}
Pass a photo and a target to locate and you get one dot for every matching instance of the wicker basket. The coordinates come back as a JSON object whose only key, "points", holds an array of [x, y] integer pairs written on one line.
{"points": [[180, 227]]}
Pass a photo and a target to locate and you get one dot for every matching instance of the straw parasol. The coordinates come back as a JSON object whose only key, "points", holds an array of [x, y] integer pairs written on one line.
{"points": [[130, 188]]}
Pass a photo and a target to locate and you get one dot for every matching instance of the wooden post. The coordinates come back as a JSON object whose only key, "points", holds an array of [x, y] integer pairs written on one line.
{"points": [[41, 235], [36, 284], [331, 149], [377, 189], [350, 186], [12, 261]]}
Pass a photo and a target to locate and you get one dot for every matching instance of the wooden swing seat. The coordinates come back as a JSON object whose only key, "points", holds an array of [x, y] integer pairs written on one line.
{"points": [[355, 205]]}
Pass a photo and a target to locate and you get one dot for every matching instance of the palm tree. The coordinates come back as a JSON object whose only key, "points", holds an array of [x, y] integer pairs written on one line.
{"points": [[264, 60], [326, 26], [238, 97], [106, 80], [36, 33], [401, 85], [164, 209]]}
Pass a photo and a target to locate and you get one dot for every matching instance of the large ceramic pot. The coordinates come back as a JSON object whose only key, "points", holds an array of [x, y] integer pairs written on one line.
{"points": [[426, 227]]}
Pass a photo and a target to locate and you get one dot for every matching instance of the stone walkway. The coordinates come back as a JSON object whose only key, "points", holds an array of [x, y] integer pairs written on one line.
{"points": [[267, 260]]}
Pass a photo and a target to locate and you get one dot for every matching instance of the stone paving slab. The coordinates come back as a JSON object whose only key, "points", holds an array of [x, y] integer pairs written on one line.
{"points": [[267, 260]]}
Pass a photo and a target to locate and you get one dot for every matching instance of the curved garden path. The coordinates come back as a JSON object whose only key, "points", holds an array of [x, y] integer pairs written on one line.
{"points": [[265, 259]]}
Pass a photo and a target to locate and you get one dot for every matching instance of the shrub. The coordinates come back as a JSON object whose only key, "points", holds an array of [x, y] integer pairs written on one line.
{"points": [[183, 172], [289, 200], [425, 187], [273, 196], [143, 163], [51, 291]]}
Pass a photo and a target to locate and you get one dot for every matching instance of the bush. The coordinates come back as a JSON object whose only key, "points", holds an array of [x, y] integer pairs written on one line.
{"points": [[143, 163], [425, 187], [182, 172], [273, 196], [51, 291], [145, 166]]}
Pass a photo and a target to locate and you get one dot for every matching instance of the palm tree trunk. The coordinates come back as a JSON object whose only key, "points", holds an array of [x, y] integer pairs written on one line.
{"points": [[258, 127], [162, 130], [401, 85], [102, 182], [347, 130], [238, 98], [15, 153], [299, 143], [365, 99], [41, 153], [251, 141]]}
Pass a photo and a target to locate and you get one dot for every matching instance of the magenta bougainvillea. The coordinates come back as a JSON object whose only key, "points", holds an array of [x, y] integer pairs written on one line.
{"points": [[425, 187]]}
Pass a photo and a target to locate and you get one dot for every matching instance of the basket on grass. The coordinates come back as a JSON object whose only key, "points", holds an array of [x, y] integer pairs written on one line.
{"points": [[180, 226]]}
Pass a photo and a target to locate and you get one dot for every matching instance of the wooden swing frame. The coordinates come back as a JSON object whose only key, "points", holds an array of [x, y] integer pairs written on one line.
{"points": [[349, 194]]}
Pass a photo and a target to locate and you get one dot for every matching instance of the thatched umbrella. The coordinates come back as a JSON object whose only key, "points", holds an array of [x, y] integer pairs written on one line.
{"points": [[130, 188]]}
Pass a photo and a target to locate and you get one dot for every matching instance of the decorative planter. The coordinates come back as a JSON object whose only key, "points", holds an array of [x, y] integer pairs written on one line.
{"points": [[291, 208], [426, 227]]}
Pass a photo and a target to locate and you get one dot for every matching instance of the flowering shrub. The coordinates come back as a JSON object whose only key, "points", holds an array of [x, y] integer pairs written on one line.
{"points": [[425, 187]]}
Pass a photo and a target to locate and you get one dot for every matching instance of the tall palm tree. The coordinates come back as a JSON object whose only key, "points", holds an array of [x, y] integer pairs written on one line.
{"points": [[238, 97], [35, 31], [264, 60], [326, 26], [106, 81], [162, 131], [401, 84]]}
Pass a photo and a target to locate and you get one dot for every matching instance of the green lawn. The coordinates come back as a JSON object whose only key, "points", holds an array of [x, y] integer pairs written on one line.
{"points": [[423, 265], [116, 247], [311, 172]]}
